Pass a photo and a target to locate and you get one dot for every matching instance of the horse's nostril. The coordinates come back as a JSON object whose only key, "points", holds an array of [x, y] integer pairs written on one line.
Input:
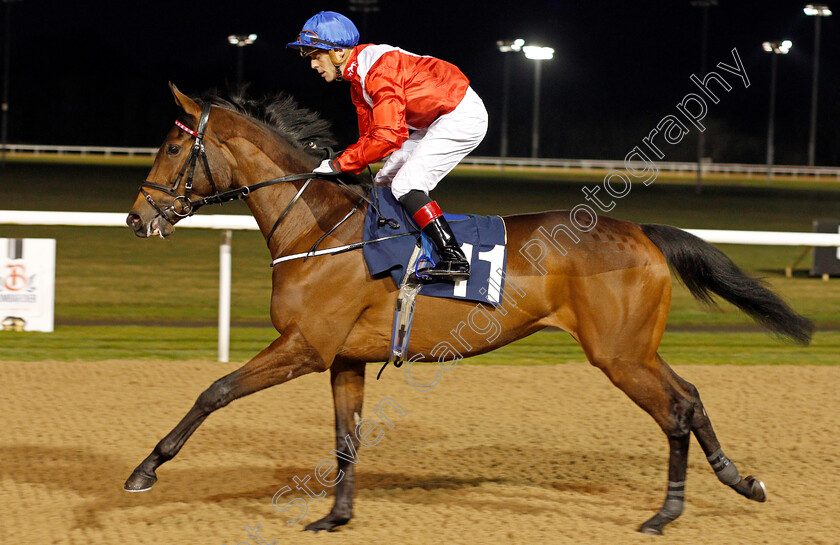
{"points": [[133, 220]]}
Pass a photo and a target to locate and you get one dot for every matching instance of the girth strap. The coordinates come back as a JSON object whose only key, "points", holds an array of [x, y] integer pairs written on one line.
{"points": [[286, 211], [336, 250], [334, 227]]}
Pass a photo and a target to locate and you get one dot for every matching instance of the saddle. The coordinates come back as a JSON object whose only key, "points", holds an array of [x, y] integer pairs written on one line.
{"points": [[482, 238]]}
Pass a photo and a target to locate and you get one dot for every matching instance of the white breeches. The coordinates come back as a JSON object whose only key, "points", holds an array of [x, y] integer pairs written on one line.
{"points": [[430, 154]]}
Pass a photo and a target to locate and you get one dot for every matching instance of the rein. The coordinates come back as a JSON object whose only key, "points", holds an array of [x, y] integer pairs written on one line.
{"points": [[189, 207]]}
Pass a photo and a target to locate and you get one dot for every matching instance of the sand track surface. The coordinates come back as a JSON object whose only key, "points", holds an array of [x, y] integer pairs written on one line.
{"points": [[551, 454]]}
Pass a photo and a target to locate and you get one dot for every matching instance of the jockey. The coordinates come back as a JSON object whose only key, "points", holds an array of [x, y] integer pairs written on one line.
{"points": [[419, 110]]}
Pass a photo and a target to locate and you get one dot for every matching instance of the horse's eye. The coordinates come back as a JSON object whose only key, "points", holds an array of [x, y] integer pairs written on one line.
{"points": [[172, 149]]}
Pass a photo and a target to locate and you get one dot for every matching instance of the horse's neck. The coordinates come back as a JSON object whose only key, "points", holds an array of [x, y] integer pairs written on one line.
{"points": [[307, 219]]}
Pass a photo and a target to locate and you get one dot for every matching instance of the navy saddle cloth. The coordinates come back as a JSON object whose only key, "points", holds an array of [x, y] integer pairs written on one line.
{"points": [[481, 237]]}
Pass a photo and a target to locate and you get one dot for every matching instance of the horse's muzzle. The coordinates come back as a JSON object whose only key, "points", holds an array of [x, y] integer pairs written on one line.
{"points": [[156, 226]]}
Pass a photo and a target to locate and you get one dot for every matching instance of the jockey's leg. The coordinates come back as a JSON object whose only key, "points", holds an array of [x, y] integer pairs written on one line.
{"points": [[452, 264], [397, 159], [434, 152]]}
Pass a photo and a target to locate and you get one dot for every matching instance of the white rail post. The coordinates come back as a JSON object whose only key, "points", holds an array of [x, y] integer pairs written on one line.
{"points": [[224, 297]]}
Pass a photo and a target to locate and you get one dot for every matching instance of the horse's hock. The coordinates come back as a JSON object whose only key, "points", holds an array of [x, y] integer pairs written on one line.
{"points": [[556, 455]]}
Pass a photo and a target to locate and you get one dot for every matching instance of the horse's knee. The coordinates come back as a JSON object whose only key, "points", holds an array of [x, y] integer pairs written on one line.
{"points": [[215, 397]]}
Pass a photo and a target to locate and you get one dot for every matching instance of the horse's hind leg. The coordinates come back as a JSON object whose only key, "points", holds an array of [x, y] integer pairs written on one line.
{"points": [[348, 387], [651, 387], [727, 473], [288, 357], [676, 407]]}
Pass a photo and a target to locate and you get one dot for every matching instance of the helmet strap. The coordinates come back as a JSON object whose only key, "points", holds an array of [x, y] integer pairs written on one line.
{"points": [[336, 62]]}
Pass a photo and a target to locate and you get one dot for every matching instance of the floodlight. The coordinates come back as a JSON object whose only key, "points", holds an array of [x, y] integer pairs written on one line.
{"points": [[780, 48], [538, 53], [508, 46], [241, 40], [819, 10]]}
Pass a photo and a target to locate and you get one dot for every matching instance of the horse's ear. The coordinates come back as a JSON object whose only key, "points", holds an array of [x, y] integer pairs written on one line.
{"points": [[186, 103]]}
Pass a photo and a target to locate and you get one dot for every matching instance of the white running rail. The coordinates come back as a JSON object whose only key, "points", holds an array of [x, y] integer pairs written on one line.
{"points": [[79, 150]]}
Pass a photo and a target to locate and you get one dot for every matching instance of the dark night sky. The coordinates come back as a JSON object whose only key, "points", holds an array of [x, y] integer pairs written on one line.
{"points": [[95, 73]]}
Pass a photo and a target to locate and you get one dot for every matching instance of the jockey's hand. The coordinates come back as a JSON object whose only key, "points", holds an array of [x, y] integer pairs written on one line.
{"points": [[329, 167]]}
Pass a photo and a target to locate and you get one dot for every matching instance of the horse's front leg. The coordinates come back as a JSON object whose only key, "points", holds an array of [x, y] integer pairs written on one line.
{"points": [[348, 387], [288, 357]]}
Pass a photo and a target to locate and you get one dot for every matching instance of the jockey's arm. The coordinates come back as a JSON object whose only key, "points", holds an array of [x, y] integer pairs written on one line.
{"points": [[382, 129]]}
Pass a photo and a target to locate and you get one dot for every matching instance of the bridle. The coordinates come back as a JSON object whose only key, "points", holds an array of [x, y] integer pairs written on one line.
{"points": [[197, 151], [188, 206]]}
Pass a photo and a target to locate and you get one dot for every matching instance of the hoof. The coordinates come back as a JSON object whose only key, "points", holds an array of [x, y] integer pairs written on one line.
{"points": [[757, 490], [653, 527], [140, 481], [328, 523]]}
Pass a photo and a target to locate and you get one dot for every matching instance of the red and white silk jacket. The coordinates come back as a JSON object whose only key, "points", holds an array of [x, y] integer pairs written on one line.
{"points": [[394, 91]]}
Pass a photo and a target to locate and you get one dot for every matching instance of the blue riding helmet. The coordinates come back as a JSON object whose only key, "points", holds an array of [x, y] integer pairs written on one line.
{"points": [[327, 30]]}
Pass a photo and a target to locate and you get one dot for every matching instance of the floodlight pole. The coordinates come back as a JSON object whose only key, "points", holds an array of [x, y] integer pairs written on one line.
{"points": [[775, 49], [241, 41], [770, 121], [240, 66], [535, 123], [537, 54], [812, 139], [704, 40], [7, 47], [507, 47], [505, 107], [818, 12]]}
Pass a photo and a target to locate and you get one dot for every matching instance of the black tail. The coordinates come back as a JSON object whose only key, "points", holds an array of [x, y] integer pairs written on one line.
{"points": [[705, 270]]}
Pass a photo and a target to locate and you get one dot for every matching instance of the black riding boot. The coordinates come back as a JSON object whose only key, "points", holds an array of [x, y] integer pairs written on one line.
{"points": [[452, 265]]}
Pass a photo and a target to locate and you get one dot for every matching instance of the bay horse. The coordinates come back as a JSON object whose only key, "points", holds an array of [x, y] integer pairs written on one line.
{"points": [[611, 289]]}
